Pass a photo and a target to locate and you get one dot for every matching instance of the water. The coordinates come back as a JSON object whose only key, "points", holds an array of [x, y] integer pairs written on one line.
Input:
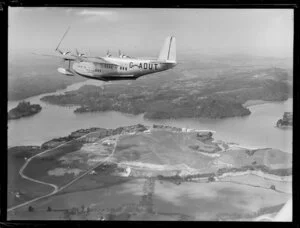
{"points": [[256, 130]]}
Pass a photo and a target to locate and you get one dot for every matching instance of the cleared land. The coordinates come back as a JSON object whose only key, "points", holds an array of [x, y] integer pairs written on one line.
{"points": [[19, 189], [143, 174], [61, 165], [163, 147]]}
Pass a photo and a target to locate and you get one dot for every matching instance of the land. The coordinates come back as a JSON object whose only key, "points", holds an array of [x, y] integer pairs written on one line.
{"points": [[286, 121], [177, 94], [24, 109], [30, 75], [201, 86], [95, 170]]}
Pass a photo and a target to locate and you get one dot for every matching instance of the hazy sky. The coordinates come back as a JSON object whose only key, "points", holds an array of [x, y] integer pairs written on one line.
{"points": [[263, 32]]}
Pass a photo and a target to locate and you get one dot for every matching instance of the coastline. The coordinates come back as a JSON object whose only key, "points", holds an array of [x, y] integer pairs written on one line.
{"points": [[250, 103]]}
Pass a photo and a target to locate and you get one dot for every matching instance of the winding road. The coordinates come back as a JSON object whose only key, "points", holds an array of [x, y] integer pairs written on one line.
{"points": [[56, 189]]}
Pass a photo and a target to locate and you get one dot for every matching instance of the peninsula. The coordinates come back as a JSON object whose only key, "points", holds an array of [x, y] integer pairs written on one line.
{"points": [[136, 165]]}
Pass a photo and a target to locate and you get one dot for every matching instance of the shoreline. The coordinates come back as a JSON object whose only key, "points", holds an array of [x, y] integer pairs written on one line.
{"points": [[250, 103]]}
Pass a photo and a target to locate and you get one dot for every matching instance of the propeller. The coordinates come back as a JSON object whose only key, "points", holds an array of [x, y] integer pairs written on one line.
{"points": [[108, 53], [57, 48], [63, 53], [79, 54], [123, 56]]}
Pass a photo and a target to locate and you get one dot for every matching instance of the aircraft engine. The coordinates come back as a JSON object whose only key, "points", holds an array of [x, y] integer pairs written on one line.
{"points": [[65, 71]]}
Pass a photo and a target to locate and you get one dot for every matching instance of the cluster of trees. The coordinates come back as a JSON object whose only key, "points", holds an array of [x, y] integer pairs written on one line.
{"points": [[24, 109], [287, 120], [263, 168], [178, 179], [218, 98], [72, 136]]}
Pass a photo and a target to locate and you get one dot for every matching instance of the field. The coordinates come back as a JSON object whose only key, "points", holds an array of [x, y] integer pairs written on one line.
{"points": [[96, 199], [16, 184], [104, 177], [164, 170], [61, 165], [164, 148], [262, 182], [209, 201], [188, 201], [272, 158]]}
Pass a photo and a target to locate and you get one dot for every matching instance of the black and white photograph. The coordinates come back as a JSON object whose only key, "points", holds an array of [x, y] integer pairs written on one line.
{"points": [[150, 114]]}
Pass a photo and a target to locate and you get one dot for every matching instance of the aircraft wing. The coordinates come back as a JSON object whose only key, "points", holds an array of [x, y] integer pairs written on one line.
{"points": [[66, 57], [99, 60]]}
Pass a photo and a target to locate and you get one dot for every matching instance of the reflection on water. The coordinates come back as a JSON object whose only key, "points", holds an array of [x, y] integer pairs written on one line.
{"points": [[256, 130]]}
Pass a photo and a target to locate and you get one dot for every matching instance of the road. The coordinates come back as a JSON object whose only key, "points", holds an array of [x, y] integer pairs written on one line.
{"points": [[56, 189]]}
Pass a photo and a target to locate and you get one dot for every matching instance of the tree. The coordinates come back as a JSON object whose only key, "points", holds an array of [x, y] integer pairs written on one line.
{"points": [[273, 187], [30, 208], [67, 215], [211, 179]]}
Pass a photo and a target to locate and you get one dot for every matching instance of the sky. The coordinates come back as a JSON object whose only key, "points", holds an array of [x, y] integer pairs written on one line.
{"points": [[259, 32]]}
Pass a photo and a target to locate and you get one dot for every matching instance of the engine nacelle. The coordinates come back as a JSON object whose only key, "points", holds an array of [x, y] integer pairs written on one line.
{"points": [[65, 71]]}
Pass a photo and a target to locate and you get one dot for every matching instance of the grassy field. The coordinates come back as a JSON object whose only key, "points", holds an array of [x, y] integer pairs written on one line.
{"points": [[104, 178], [272, 158], [206, 201], [103, 198], [27, 189], [63, 164], [164, 147], [262, 182]]}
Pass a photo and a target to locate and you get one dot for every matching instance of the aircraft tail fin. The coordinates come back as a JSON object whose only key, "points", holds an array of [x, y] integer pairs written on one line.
{"points": [[168, 50]]}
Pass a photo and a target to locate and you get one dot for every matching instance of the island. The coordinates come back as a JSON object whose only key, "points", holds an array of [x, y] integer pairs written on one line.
{"points": [[144, 172], [24, 109], [286, 121], [171, 96]]}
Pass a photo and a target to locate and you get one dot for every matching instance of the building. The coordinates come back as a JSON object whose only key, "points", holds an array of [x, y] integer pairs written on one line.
{"points": [[127, 172], [93, 172]]}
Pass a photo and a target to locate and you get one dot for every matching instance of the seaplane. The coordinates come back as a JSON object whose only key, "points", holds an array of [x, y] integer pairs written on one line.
{"points": [[122, 67]]}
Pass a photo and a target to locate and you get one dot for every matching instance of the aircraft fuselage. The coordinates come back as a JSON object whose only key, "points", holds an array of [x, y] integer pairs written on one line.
{"points": [[125, 68]]}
